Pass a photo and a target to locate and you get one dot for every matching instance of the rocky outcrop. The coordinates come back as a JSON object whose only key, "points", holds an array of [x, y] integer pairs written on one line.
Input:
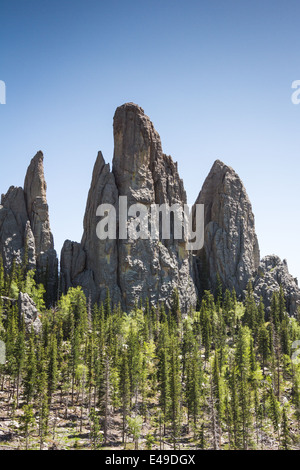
{"points": [[38, 213], [102, 257], [13, 223], [230, 248], [25, 228], [230, 244], [273, 273], [29, 312], [143, 268], [132, 269]]}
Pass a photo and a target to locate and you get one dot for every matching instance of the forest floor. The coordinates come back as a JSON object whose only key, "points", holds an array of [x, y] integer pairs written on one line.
{"points": [[69, 429]]}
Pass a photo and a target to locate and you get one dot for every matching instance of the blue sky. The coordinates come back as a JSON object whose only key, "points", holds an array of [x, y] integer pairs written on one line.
{"points": [[214, 76]]}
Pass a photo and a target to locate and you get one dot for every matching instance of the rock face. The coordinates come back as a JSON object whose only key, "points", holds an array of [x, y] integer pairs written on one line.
{"points": [[25, 227], [38, 213], [231, 247], [131, 268], [28, 311], [273, 273], [13, 223]]}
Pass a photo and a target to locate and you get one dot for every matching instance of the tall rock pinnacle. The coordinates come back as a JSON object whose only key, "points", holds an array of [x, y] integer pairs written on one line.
{"points": [[24, 221], [132, 269], [36, 202], [231, 248], [13, 223], [35, 188]]}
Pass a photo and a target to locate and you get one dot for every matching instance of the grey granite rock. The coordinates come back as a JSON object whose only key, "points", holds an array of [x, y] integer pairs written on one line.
{"points": [[38, 212], [231, 247], [29, 312], [24, 226], [273, 273], [132, 269], [13, 223]]}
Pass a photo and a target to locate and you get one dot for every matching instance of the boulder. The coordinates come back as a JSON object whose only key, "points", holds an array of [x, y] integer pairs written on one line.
{"points": [[29, 312]]}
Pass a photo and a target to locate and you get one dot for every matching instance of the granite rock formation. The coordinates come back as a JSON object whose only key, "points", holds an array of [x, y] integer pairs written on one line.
{"points": [[230, 243], [143, 268], [273, 273], [13, 223], [130, 269], [35, 188], [25, 227], [29, 312]]}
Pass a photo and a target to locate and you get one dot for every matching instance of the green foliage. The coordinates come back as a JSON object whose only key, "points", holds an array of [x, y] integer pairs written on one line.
{"points": [[222, 373], [134, 428]]}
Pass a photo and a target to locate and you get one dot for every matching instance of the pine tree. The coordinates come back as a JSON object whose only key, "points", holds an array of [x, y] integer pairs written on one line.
{"points": [[27, 423], [176, 312], [163, 370], [193, 384], [260, 312], [74, 359], [274, 410], [243, 367], [2, 277], [91, 352], [95, 434], [125, 390], [42, 389], [285, 431], [52, 368], [281, 304], [206, 328], [105, 395], [219, 292], [234, 405], [285, 336], [263, 345], [20, 357], [30, 373], [175, 390], [274, 310], [107, 305], [228, 420], [216, 380], [251, 315]]}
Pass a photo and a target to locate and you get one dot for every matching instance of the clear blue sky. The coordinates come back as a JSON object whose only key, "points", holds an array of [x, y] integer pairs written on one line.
{"points": [[214, 76]]}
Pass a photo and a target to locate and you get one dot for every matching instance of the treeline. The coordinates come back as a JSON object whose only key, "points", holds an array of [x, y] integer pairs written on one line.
{"points": [[221, 377]]}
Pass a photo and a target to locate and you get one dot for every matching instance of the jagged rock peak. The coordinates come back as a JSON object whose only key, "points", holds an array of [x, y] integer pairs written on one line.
{"points": [[35, 189], [140, 268], [24, 221], [231, 246], [35, 184], [13, 222], [142, 171], [130, 117], [273, 273]]}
